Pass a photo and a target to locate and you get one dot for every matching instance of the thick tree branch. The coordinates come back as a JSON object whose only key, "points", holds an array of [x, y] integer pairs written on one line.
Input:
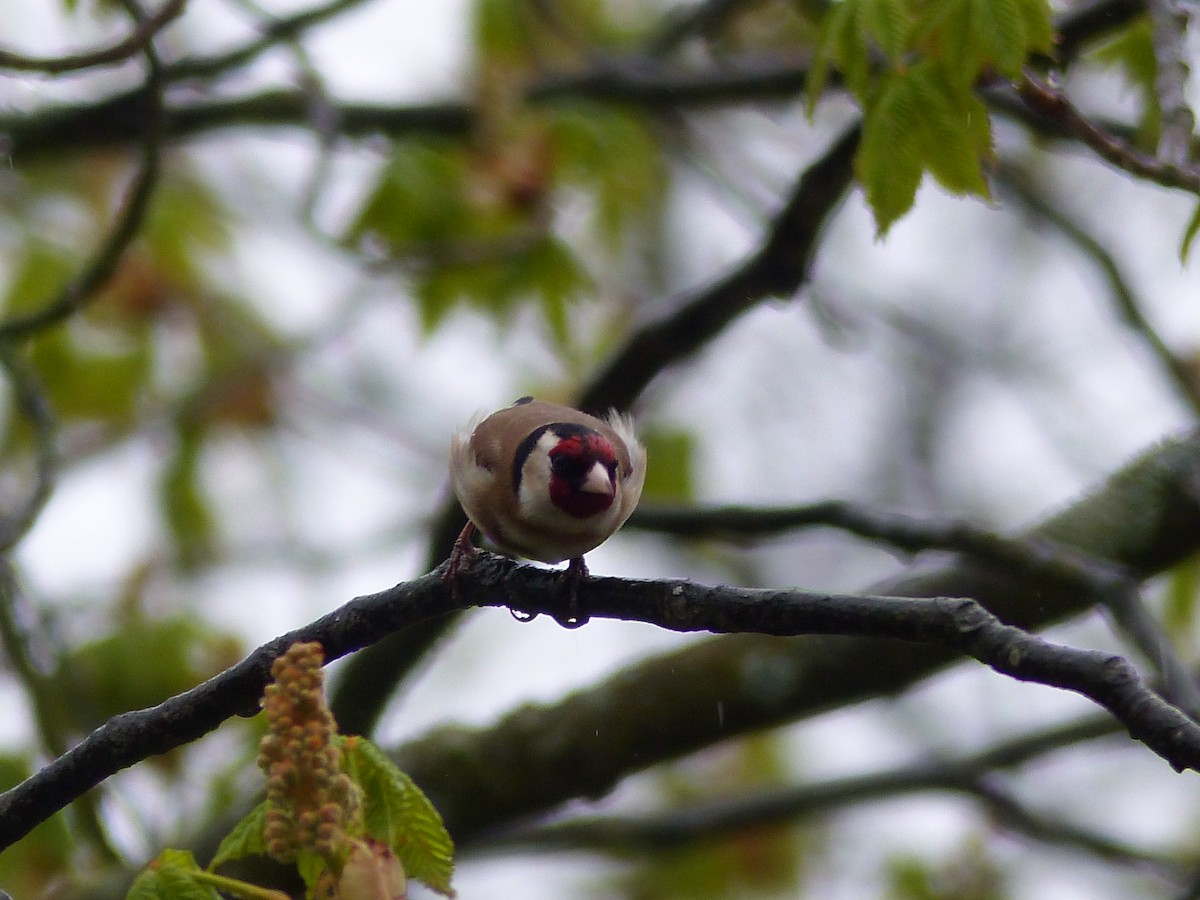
{"points": [[971, 775], [1146, 518], [960, 625], [1028, 558]]}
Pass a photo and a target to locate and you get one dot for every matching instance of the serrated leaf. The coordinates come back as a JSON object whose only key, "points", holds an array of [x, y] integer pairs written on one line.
{"points": [[888, 163], [888, 23], [172, 876], [398, 814], [954, 133], [843, 42], [246, 838], [1003, 41], [1039, 25], [1189, 235]]}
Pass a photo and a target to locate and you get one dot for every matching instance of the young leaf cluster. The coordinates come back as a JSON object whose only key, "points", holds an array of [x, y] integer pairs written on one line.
{"points": [[913, 66], [338, 808]]}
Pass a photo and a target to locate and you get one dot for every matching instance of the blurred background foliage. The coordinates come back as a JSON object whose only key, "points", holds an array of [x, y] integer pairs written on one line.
{"points": [[249, 416]]}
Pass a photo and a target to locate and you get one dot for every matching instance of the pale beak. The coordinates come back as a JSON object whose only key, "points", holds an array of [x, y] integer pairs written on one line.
{"points": [[598, 481]]}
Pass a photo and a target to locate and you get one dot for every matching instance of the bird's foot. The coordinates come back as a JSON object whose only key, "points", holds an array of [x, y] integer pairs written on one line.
{"points": [[461, 557], [568, 594]]}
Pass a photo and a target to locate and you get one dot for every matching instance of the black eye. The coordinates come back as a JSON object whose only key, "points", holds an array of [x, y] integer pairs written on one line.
{"points": [[567, 466]]}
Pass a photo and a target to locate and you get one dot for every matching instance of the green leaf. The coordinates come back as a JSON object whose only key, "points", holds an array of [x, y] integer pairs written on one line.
{"points": [[93, 374], [544, 270], [888, 22], [970, 35], [398, 814], [141, 663], [246, 838], [1039, 25], [33, 864], [669, 475], [311, 867], [1189, 235], [185, 503], [1182, 594], [955, 130], [419, 198], [999, 28], [614, 155], [172, 876], [842, 40], [889, 161]]}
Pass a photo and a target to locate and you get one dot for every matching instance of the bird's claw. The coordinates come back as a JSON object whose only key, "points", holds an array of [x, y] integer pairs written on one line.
{"points": [[461, 557]]}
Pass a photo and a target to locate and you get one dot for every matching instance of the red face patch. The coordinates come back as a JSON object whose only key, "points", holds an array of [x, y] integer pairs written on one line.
{"points": [[571, 460]]}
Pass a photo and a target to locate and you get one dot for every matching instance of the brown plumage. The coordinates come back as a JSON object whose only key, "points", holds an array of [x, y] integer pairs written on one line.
{"points": [[545, 481]]}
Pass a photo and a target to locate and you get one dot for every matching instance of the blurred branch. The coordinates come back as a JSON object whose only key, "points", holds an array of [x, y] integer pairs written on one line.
{"points": [[639, 81], [31, 660], [272, 32], [683, 23], [137, 41], [1169, 20], [956, 624], [96, 272], [1027, 557], [1129, 306], [778, 268], [1048, 101], [971, 775], [31, 403]]}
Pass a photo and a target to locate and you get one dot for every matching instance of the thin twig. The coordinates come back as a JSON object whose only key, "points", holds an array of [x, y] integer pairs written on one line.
{"points": [[135, 42], [1128, 304], [1050, 101], [86, 285], [273, 32], [31, 402]]}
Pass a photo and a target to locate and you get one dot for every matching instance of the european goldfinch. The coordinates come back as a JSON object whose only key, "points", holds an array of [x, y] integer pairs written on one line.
{"points": [[545, 482]]}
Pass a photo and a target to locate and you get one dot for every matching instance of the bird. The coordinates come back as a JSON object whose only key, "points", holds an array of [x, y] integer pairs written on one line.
{"points": [[545, 482]]}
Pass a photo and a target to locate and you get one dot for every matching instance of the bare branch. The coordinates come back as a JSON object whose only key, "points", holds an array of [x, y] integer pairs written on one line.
{"points": [[960, 625], [972, 775], [96, 273], [31, 402], [1051, 102], [135, 42], [273, 32]]}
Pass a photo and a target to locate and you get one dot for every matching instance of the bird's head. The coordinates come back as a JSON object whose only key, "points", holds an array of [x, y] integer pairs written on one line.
{"points": [[583, 470]]}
